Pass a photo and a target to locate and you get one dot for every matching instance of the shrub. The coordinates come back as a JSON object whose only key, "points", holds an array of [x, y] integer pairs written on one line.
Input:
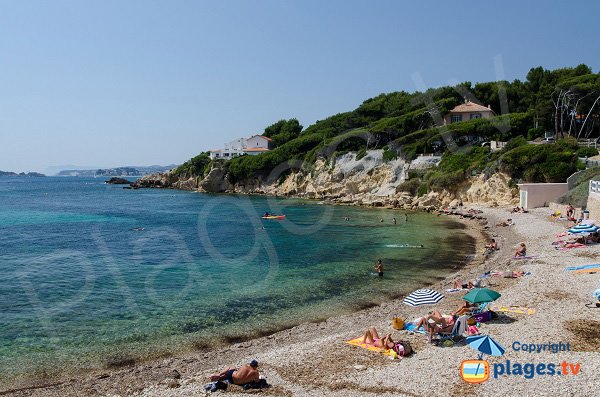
{"points": [[411, 186], [389, 154], [195, 167], [541, 163], [535, 133], [587, 152], [361, 153]]}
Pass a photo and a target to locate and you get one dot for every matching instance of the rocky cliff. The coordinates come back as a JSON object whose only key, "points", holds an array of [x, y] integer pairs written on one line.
{"points": [[346, 179]]}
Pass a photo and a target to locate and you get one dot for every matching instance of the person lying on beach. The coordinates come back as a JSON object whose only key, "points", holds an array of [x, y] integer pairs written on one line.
{"points": [[521, 251], [508, 222], [372, 338], [458, 284], [247, 373]]}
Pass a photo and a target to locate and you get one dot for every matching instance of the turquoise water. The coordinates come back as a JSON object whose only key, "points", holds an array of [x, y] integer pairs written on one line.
{"points": [[81, 290]]}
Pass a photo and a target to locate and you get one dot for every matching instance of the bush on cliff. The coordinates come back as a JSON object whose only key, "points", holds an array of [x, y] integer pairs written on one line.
{"points": [[196, 167]]}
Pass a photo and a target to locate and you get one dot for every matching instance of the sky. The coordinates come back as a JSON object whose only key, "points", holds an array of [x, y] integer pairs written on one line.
{"points": [[140, 82]]}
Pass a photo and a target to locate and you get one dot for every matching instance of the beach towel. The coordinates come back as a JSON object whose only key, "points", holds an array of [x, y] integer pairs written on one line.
{"points": [[456, 289], [358, 343], [582, 267], [412, 327], [514, 309], [587, 271], [525, 257]]}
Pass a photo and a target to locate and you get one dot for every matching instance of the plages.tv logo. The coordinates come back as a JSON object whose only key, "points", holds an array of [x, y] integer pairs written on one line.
{"points": [[478, 371], [475, 371]]}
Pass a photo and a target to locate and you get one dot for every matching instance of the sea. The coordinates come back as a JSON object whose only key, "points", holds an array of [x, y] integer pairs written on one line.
{"points": [[94, 276]]}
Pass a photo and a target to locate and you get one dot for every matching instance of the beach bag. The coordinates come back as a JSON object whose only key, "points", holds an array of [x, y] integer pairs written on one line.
{"points": [[473, 330], [398, 323], [215, 386]]}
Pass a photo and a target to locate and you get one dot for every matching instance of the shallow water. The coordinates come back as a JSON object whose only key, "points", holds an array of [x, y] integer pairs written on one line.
{"points": [[80, 289]]}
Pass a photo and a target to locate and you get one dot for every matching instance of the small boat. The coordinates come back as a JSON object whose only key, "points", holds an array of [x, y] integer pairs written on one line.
{"points": [[273, 217]]}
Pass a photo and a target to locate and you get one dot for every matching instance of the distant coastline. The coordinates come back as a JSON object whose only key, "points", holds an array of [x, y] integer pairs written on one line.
{"points": [[28, 174]]}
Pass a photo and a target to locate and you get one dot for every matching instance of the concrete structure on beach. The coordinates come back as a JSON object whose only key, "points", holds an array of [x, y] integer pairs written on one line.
{"points": [[593, 202], [533, 195]]}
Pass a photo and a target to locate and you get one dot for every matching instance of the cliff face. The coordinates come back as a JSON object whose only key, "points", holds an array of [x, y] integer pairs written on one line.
{"points": [[367, 181]]}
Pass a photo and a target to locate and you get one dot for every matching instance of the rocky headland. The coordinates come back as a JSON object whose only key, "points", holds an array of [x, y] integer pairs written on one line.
{"points": [[368, 181]]}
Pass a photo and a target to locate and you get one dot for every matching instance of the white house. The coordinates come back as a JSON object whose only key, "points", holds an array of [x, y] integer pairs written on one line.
{"points": [[256, 144]]}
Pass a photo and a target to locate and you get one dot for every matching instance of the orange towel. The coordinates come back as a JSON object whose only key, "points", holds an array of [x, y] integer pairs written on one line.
{"points": [[358, 343]]}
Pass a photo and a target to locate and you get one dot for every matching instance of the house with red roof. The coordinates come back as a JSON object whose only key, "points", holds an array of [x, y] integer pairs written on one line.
{"points": [[256, 144], [468, 111]]}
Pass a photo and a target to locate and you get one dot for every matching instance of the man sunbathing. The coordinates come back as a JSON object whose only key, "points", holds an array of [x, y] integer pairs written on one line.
{"points": [[247, 373]]}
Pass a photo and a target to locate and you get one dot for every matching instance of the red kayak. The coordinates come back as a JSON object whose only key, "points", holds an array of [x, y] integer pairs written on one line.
{"points": [[273, 217]]}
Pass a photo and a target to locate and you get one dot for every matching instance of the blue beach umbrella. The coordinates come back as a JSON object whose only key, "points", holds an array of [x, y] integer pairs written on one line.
{"points": [[423, 296], [485, 345]]}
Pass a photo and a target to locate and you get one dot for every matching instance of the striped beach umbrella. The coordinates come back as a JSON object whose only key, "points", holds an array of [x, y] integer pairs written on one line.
{"points": [[423, 296]]}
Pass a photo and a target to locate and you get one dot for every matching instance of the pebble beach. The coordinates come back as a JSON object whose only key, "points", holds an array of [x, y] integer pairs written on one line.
{"points": [[312, 359]]}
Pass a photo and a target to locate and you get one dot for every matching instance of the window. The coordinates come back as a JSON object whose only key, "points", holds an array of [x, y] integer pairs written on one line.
{"points": [[456, 118], [475, 116], [226, 155]]}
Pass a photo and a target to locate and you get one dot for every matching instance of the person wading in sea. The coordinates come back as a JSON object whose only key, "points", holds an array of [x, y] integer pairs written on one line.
{"points": [[379, 268]]}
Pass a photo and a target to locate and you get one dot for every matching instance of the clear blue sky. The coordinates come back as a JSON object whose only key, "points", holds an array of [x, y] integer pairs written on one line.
{"points": [[109, 83]]}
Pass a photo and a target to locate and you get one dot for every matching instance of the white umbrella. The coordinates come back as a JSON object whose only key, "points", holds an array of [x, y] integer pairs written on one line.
{"points": [[423, 296]]}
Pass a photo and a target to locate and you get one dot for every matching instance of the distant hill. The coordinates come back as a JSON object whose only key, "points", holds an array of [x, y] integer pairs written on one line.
{"points": [[30, 174], [117, 171]]}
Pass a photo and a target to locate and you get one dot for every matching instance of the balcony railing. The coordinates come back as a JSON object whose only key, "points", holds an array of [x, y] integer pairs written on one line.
{"points": [[595, 187]]}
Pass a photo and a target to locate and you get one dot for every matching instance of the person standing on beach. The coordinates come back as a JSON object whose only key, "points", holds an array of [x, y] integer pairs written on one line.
{"points": [[379, 267]]}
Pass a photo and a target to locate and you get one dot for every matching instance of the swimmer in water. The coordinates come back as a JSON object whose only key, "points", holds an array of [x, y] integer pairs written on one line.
{"points": [[379, 268]]}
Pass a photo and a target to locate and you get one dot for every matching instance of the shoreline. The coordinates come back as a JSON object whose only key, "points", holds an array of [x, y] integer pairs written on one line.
{"points": [[473, 231], [311, 359]]}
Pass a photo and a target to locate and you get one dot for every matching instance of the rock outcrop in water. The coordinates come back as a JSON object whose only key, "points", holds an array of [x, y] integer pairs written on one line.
{"points": [[367, 181], [117, 181]]}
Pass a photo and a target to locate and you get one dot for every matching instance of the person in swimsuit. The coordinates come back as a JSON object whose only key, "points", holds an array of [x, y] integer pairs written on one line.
{"points": [[379, 268], [372, 338], [521, 251], [247, 373]]}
